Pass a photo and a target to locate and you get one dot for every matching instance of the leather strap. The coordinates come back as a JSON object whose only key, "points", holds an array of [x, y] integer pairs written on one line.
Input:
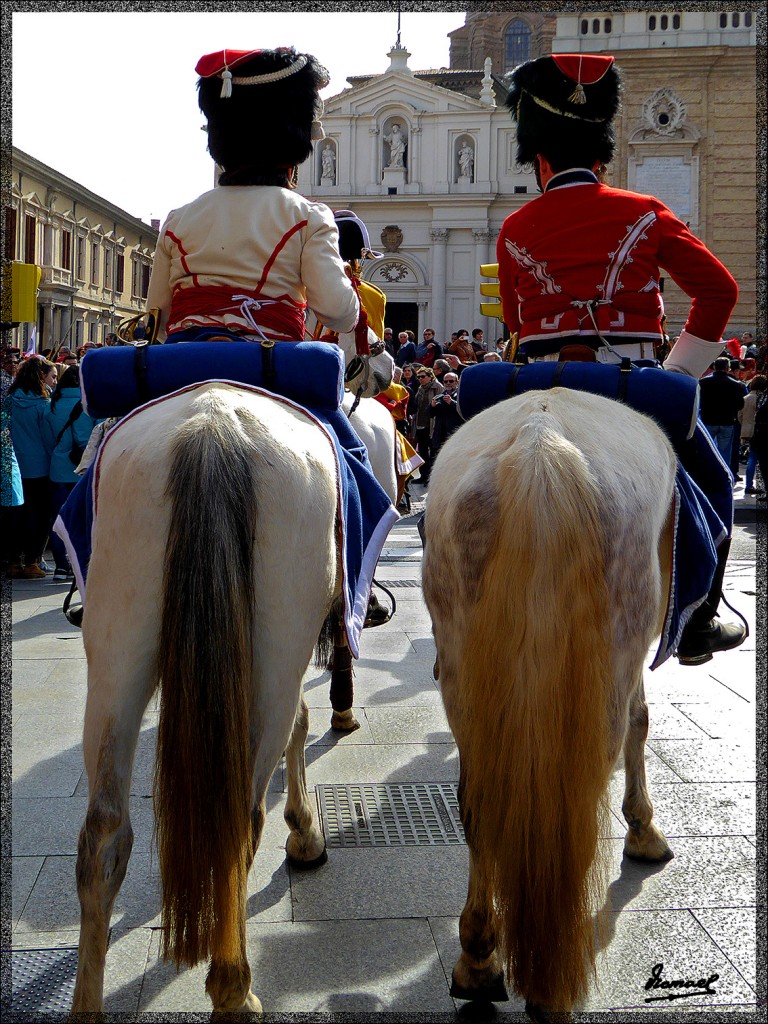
{"points": [[268, 364], [141, 372], [624, 371], [512, 383]]}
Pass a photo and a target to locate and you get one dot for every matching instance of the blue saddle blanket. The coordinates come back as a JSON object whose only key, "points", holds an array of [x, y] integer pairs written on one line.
{"points": [[365, 510], [703, 486]]}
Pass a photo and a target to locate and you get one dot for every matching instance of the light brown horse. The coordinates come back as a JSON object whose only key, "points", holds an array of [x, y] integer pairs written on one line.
{"points": [[543, 614]]}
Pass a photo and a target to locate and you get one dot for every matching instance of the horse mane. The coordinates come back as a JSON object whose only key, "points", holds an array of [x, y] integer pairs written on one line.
{"points": [[536, 668]]}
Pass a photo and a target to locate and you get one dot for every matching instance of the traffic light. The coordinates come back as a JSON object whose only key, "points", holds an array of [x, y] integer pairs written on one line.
{"points": [[25, 281], [492, 290]]}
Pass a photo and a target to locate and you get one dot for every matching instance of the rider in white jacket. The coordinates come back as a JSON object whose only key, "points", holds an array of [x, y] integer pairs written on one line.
{"points": [[251, 255]]}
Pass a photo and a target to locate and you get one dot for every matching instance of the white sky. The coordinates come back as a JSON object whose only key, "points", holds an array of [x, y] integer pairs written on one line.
{"points": [[109, 99]]}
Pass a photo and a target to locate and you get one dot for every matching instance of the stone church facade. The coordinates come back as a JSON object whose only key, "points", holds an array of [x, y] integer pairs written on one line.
{"points": [[427, 158]]}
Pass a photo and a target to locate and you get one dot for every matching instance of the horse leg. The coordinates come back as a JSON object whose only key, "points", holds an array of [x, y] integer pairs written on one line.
{"points": [[106, 838], [477, 974], [644, 841], [342, 681], [228, 983], [305, 846]]}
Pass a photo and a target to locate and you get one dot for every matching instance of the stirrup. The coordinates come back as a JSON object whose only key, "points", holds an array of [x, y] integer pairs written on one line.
{"points": [[73, 615]]}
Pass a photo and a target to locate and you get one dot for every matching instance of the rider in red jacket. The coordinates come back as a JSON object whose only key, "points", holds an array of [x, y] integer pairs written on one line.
{"points": [[582, 262]]}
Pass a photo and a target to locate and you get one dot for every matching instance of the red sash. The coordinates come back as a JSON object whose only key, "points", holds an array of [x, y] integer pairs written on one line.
{"points": [[280, 317]]}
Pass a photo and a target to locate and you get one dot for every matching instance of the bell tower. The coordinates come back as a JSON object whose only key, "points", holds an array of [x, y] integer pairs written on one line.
{"points": [[508, 38]]}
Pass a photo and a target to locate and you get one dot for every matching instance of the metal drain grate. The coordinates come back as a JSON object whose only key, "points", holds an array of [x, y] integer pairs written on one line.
{"points": [[412, 814], [43, 980], [400, 583]]}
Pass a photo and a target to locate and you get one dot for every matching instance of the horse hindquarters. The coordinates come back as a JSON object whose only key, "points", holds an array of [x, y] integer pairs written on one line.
{"points": [[529, 708]]}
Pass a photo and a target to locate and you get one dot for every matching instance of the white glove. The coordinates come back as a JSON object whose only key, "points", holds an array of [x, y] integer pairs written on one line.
{"points": [[691, 355]]}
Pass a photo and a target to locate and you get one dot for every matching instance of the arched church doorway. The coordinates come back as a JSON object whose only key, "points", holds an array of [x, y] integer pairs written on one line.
{"points": [[402, 316]]}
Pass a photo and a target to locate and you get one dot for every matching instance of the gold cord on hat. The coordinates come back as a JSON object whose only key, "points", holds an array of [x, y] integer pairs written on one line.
{"points": [[554, 110], [273, 76]]}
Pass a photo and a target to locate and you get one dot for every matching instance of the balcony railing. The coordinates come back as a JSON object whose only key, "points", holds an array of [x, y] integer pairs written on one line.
{"points": [[55, 275]]}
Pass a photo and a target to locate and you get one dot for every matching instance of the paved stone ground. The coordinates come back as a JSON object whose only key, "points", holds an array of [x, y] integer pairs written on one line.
{"points": [[376, 929]]}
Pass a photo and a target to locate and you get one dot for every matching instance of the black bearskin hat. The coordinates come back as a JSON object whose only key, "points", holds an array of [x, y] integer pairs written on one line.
{"points": [[564, 106], [263, 110]]}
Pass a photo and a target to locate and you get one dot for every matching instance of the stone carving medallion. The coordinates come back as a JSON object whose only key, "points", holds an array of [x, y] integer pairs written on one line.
{"points": [[391, 238], [664, 112]]}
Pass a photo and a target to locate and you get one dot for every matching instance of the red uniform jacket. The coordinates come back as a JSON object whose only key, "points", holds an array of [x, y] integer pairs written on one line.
{"points": [[582, 242]]}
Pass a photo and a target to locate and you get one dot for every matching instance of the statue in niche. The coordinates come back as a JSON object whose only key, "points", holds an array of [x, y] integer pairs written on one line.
{"points": [[466, 161], [397, 143], [328, 161]]}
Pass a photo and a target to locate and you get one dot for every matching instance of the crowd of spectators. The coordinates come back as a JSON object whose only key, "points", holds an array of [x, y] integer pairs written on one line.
{"points": [[44, 431], [734, 406], [430, 371]]}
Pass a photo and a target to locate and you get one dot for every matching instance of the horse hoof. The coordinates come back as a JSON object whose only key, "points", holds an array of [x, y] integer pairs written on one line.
{"points": [[649, 845], [542, 1016], [494, 991], [306, 865], [251, 1007], [344, 721], [649, 857]]}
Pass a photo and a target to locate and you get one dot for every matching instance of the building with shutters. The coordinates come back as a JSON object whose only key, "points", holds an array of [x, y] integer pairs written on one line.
{"points": [[95, 259]]}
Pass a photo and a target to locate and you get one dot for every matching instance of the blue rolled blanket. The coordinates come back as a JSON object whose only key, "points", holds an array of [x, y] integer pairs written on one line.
{"points": [[113, 381]]}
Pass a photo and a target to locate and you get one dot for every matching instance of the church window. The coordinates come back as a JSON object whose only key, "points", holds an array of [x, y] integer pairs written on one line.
{"points": [[517, 44], [748, 20], [596, 26], [608, 26], [735, 20], [676, 20], [584, 26], [664, 22], [723, 21], [652, 23]]}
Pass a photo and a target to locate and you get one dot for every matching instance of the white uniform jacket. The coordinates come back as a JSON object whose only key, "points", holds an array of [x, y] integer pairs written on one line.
{"points": [[240, 256]]}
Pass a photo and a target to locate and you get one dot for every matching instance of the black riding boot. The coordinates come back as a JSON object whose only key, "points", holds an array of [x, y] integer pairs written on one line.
{"points": [[704, 636]]}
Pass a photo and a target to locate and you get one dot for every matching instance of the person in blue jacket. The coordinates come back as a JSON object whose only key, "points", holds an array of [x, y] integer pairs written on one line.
{"points": [[28, 409], [71, 436]]}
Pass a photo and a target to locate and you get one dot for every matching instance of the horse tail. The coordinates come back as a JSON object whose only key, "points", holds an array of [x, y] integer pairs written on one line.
{"points": [[537, 671], [203, 771]]}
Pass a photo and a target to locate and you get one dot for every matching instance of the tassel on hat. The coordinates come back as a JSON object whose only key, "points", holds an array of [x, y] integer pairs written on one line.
{"points": [[226, 84], [578, 95]]}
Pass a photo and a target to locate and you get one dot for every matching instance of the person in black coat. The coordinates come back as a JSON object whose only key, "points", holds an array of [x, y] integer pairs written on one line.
{"points": [[722, 397], [445, 413]]}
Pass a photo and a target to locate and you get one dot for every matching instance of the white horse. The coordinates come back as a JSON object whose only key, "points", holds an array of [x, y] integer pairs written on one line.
{"points": [[374, 425], [214, 566], [543, 617]]}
